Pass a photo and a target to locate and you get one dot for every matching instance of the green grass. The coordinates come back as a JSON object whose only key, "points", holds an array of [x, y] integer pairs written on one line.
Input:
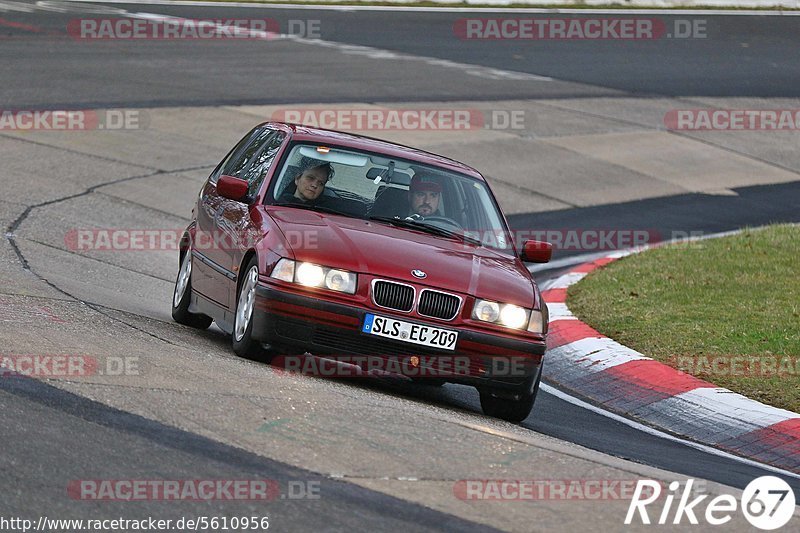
{"points": [[705, 305]]}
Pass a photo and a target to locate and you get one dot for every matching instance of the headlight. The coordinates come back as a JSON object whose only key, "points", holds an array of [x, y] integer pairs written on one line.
{"points": [[284, 270], [311, 275], [341, 280], [486, 311], [513, 316], [538, 322], [508, 315]]}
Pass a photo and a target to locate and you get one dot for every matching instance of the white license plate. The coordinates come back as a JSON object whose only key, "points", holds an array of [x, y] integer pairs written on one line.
{"points": [[382, 326]]}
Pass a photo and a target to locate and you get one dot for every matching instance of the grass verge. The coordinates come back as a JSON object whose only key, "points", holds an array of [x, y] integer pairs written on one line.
{"points": [[725, 310]]}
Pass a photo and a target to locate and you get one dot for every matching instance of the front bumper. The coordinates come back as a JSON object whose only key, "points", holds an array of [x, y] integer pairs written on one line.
{"points": [[296, 322]]}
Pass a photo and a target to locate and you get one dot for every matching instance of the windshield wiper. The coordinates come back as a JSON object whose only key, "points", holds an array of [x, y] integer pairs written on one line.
{"points": [[427, 228], [312, 207], [452, 234]]}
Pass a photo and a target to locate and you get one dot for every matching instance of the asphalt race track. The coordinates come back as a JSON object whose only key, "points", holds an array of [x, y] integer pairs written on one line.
{"points": [[591, 154]]}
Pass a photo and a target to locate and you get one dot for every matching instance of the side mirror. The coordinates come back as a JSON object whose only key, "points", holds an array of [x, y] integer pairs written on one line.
{"points": [[232, 188], [536, 251]]}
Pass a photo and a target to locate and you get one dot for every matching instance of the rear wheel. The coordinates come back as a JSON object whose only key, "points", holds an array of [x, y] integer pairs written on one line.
{"points": [[511, 410], [182, 296], [243, 343]]}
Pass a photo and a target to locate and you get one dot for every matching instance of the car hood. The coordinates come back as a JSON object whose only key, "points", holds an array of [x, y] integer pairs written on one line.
{"points": [[386, 251]]}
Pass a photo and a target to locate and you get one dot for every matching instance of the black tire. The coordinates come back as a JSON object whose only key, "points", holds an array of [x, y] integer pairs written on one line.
{"points": [[182, 295], [242, 337], [507, 409]]}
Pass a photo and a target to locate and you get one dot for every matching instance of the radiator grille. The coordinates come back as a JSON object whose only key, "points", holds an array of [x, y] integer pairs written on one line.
{"points": [[393, 295], [438, 304]]}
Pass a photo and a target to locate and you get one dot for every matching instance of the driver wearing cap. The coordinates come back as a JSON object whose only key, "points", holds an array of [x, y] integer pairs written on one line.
{"points": [[423, 196]]}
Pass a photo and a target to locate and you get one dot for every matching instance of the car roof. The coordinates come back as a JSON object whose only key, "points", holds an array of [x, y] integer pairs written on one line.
{"points": [[349, 140]]}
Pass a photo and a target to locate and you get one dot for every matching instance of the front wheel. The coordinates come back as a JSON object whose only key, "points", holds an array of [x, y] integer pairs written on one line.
{"points": [[243, 343], [182, 296], [508, 409]]}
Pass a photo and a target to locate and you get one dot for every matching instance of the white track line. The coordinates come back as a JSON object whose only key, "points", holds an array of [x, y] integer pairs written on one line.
{"points": [[381, 54], [568, 261], [17, 6], [656, 433], [220, 28], [592, 256], [453, 9]]}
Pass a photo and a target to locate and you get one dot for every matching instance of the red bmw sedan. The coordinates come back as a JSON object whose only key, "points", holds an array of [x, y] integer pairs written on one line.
{"points": [[367, 253]]}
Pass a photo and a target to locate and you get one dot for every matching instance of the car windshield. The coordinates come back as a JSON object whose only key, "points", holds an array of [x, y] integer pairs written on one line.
{"points": [[392, 191]]}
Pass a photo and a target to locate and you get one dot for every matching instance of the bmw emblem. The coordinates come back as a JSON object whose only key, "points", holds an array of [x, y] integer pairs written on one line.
{"points": [[419, 274]]}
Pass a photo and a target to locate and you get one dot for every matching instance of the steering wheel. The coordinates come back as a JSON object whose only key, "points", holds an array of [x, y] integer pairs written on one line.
{"points": [[445, 220]]}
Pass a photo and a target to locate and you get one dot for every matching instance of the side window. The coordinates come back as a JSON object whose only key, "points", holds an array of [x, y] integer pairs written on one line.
{"points": [[263, 161], [238, 165], [232, 155]]}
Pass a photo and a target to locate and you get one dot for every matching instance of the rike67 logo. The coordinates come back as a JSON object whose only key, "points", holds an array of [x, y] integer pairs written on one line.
{"points": [[767, 503]]}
